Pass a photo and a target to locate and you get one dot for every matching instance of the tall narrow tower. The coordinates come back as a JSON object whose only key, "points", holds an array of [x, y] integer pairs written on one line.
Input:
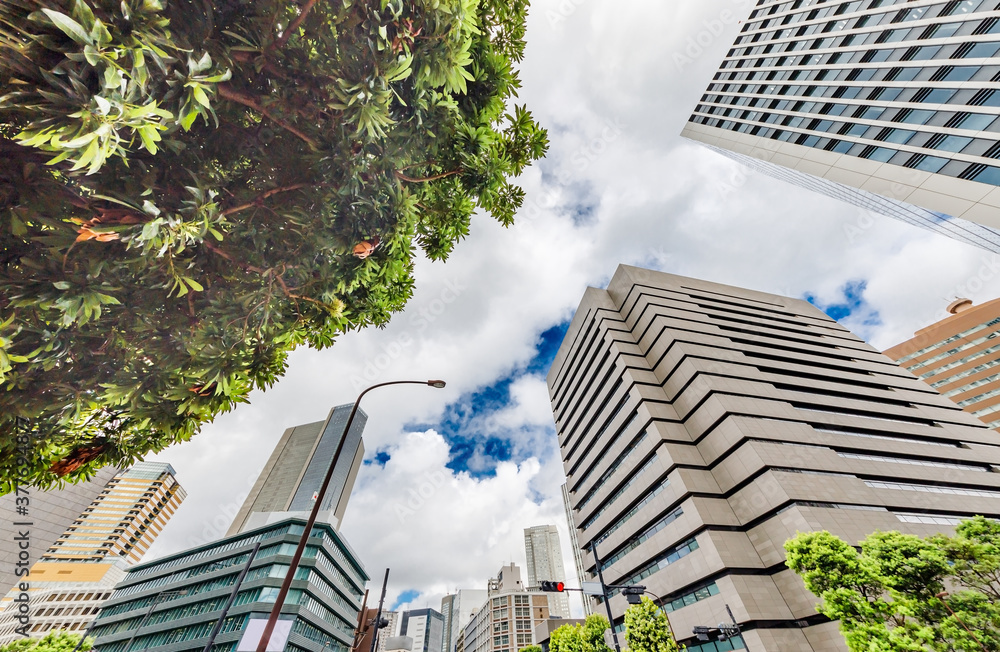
{"points": [[891, 105], [703, 425], [545, 563], [293, 474]]}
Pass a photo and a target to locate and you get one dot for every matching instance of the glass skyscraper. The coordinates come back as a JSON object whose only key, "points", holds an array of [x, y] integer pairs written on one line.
{"points": [[891, 105]]}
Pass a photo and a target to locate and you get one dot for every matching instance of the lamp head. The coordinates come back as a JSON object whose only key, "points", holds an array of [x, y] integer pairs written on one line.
{"points": [[439, 384]]}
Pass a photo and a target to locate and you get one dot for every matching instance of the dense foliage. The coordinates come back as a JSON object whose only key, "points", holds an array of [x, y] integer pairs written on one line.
{"points": [[54, 641], [191, 189], [586, 637], [903, 592], [647, 628]]}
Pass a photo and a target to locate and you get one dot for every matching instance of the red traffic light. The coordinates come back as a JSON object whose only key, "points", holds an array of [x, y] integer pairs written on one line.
{"points": [[552, 587]]}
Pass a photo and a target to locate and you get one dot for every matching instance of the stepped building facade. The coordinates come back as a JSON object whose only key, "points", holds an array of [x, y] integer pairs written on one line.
{"points": [[702, 425]]}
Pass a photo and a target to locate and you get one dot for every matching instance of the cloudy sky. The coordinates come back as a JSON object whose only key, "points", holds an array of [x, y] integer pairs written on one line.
{"points": [[455, 475]]}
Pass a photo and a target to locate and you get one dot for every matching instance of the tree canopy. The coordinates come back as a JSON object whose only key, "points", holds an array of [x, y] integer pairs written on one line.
{"points": [[54, 641], [904, 592], [647, 628], [191, 189], [585, 637]]}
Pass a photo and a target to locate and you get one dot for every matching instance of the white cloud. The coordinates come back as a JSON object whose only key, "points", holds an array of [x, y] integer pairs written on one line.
{"points": [[619, 186]]}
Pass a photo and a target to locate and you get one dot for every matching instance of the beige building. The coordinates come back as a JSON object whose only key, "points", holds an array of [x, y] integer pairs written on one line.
{"points": [[703, 425], [960, 357], [66, 588], [506, 622]]}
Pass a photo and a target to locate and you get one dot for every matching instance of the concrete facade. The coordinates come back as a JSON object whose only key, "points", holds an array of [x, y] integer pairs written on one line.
{"points": [[960, 357], [543, 553], [425, 627], [295, 471], [184, 594], [892, 106], [50, 514], [703, 425]]}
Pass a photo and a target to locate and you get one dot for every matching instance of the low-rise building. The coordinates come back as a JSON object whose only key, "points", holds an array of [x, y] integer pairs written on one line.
{"points": [[506, 622]]}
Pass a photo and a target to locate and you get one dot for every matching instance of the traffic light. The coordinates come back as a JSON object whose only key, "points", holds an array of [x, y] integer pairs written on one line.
{"points": [[557, 587]]}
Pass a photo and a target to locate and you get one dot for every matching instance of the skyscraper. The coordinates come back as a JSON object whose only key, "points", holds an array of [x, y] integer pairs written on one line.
{"points": [[458, 609], [960, 357], [425, 627], [891, 105], [68, 585], [294, 472], [125, 519], [544, 561], [574, 545], [702, 425], [50, 514]]}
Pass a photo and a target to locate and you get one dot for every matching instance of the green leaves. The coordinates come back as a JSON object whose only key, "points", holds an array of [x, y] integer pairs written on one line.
{"points": [[54, 641], [886, 595], [159, 267], [647, 628]]}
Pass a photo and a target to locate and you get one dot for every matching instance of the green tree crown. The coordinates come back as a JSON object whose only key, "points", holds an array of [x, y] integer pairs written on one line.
{"points": [[903, 592], [647, 628], [189, 190], [54, 641]]}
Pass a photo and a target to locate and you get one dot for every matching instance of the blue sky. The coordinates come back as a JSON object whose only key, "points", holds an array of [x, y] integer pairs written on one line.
{"points": [[472, 450]]}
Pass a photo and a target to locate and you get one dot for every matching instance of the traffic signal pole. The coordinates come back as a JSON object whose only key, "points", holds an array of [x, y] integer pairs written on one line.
{"points": [[604, 594]]}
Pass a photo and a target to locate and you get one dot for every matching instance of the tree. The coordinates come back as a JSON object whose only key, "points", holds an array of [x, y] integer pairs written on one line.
{"points": [[891, 594], [531, 648], [190, 189], [592, 633], [54, 641], [567, 638], [647, 628]]}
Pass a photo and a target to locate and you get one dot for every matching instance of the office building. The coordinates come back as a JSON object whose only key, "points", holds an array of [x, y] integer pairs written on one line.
{"points": [[458, 609], [702, 425], [295, 471], [389, 631], [425, 627], [125, 519], [960, 357], [507, 620], [890, 105], [574, 544], [543, 553], [50, 514], [172, 604], [77, 573]]}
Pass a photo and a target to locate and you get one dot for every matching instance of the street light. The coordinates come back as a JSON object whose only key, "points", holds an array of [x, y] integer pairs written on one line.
{"points": [[272, 620]]}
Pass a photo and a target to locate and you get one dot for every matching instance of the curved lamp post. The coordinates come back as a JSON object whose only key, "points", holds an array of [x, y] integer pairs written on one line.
{"points": [[272, 620]]}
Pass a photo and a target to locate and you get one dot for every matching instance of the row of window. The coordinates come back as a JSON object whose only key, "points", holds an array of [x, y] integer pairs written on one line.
{"points": [[665, 559], [633, 478], [642, 537], [611, 470]]}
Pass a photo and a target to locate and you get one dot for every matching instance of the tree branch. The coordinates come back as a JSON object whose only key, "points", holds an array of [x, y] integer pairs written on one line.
{"points": [[293, 26], [229, 94], [403, 177], [262, 197]]}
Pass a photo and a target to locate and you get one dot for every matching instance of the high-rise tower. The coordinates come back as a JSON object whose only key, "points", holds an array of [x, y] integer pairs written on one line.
{"points": [[891, 105], [543, 553], [960, 357], [294, 472], [574, 545], [50, 513], [67, 587], [702, 425]]}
